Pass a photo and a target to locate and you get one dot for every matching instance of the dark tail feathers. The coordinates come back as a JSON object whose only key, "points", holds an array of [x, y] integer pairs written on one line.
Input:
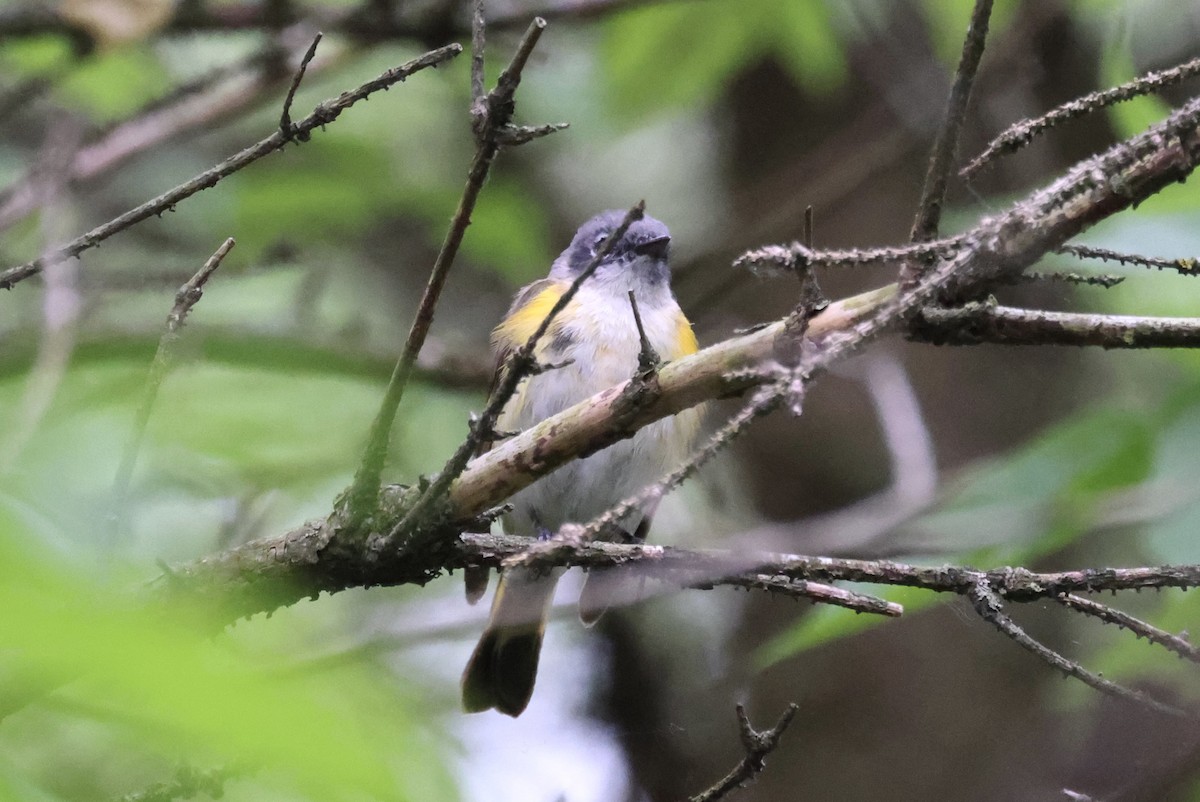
{"points": [[503, 668]]}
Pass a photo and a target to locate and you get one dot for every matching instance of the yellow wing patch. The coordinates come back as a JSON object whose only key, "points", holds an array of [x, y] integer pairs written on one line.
{"points": [[685, 338], [527, 313]]}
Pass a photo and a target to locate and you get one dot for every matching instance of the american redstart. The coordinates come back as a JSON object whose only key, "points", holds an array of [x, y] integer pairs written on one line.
{"points": [[590, 346]]}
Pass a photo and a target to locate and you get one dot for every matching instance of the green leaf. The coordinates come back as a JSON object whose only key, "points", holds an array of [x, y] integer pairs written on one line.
{"points": [[116, 82], [1008, 511], [667, 56], [152, 676]]}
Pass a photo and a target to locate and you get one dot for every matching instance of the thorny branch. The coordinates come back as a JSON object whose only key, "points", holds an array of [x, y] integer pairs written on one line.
{"points": [[1173, 643], [492, 120], [990, 607], [322, 115], [1021, 134], [929, 210]]}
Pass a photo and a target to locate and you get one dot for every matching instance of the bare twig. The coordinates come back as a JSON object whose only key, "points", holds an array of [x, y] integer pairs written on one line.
{"points": [[1022, 133], [1105, 280], [1173, 643], [197, 105], [977, 323], [518, 368], [187, 297], [323, 114], [478, 44], [648, 358], [491, 115], [990, 607], [757, 745], [799, 256], [765, 400], [933, 195], [1184, 266], [285, 117]]}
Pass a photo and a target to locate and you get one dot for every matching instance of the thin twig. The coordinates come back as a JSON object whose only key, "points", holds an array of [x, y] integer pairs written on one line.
{"points": [[977, 323], [990, 607], [323, 114], [285, 117], [496, 111], [818, 592], [933, 195], [764, 401], [1021, 134], [1185, 266], [648, 358], [519, 365], [798, 256], [1104, 280], [757, 745], [186, 298], [1173, 643], [478, 43]]}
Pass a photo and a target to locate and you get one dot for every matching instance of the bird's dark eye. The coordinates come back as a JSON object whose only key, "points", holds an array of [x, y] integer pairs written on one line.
{"points": [[599, 241]]}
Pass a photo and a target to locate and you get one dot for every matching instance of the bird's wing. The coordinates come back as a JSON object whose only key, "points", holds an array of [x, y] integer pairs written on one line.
{"points": [[529, 308]]}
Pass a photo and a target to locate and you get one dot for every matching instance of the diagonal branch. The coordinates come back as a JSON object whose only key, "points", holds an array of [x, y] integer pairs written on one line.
{"points": [[1021, 134], [933, 195], [323, 114], [492, 115], [1173, 643], [990, 607], [757, 745], [187, 297]]}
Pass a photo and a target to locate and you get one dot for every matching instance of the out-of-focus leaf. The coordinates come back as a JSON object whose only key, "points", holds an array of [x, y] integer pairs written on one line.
{"points": [[826, 623], [331, 188], [804, 40], [677, 54], [153, 675], [948, 21], [1008, 511], [35, 55], [1172, 486], [116, 82]]}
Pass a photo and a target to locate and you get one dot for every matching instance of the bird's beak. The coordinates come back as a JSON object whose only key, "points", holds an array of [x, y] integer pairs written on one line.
{"points": [[655, 248]]}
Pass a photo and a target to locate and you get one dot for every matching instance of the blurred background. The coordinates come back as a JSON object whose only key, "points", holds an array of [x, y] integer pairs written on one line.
{"points": [[728, 118]]}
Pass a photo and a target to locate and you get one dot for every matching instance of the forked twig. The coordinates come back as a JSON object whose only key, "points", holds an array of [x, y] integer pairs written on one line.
{"points": [[757, 745], [323, 114], [990, 607], [492, 115]]}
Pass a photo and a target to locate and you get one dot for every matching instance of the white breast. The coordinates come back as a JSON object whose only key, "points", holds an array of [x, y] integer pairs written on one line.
{"points": [[602, 342]]}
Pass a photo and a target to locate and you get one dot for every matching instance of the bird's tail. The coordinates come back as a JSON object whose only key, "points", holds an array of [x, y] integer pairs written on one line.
{"points": [[503, 667]]}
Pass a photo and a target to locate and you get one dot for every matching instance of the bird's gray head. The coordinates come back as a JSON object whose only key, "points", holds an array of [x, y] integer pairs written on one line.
{"points": [[639, 259]]}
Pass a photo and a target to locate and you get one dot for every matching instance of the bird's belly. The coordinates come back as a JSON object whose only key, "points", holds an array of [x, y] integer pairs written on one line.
{"points": [[585, 488]]}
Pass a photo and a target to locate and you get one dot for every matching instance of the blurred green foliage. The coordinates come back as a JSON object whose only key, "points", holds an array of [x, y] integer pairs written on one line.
{"points": [[250, 443]]}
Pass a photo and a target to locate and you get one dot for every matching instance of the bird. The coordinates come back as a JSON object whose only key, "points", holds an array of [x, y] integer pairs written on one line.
{"points": [[591, 345]]}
